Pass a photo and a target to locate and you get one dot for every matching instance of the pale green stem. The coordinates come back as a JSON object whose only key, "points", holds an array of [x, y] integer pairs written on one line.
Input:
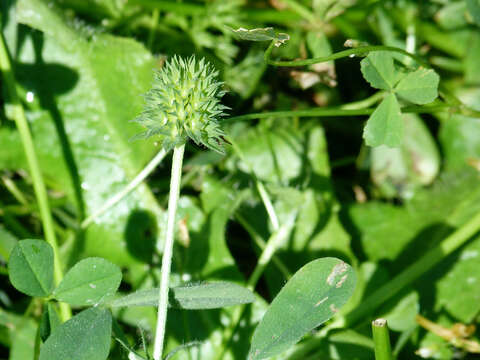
{"points": [[14, 190], [175, 180], [267, 202], [153, 29], [262, 244], [365, 103], [381, 339], [340, 112], [142, 175], [18, 116]]}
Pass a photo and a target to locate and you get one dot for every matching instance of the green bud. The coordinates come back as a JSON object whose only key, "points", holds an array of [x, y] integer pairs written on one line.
{"points": [[184, 102]]}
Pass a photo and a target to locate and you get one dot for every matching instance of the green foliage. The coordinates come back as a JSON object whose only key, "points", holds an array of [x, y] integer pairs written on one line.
{"points": [[89, 282], [290, 165], [85, 336], [312, 296], [385, 125], [30, 267], [191, 296]]}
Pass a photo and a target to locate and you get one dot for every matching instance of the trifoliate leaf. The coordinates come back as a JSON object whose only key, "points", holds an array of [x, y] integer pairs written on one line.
{"points": [[385, 125]]}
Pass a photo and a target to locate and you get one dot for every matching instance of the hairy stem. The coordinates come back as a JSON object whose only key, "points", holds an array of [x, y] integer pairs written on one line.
{"points": [[142, 175], [381, 339], [175, 181], [358, 51], [39, 187]]}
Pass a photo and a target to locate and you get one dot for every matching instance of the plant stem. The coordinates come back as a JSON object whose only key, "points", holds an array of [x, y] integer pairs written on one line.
{"points": [[358, 51], [18, 116], [365, 103], [381, 339], [175, 181], [334, 112], [142, 175]]}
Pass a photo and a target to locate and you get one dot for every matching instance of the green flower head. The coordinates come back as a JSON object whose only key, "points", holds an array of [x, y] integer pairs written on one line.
{"points": [[184, 102]]}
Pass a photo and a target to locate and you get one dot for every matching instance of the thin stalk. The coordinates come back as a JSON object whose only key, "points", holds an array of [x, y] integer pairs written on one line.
{"points": [[147, 170], [365, 103], [153, 29], [14, 190], [358, 51], [381, 339], [175, 181], [18, 115], [336, 112], [262, 244]]}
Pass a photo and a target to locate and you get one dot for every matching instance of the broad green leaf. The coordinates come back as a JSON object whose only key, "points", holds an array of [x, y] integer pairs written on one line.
{"points": [[244, 77], [265, 34], [400, 314], [273, 153], [398, 172], [385, 125], [86, 336], [30, 267], [49, 321], [22, 345], [89, 282], [421, 222], [378, 69], [419, 87], [473, 7], [194, 297], [90, 89], [452, 15], [311, 297]]}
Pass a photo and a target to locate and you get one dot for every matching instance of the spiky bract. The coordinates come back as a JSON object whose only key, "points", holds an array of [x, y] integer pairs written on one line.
{"points": [[184, 102]]}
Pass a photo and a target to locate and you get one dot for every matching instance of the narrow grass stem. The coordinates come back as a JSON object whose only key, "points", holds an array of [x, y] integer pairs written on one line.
{"points": [[262, 263], [175, 182], [413, 272], [358, 51], [142, 175], [39, 187], [393, 287], [381, 339]]}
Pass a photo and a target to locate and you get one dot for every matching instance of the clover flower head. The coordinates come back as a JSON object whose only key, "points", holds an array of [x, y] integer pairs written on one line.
{"points": [[184, 102]]}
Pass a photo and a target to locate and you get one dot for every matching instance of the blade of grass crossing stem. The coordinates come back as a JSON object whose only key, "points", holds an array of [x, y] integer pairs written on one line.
{"points": [[18, 115], [381, 339], [175, 181], [115, 199], [262, 263]]}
